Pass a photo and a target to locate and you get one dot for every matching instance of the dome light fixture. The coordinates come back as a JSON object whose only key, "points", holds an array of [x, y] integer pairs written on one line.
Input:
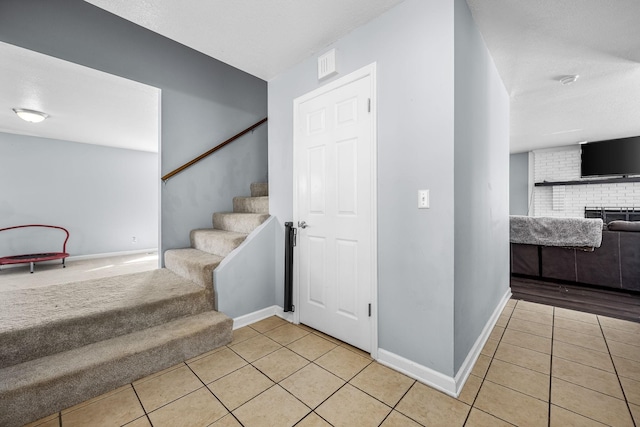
{"points": [[567, 80], [31, 116]]}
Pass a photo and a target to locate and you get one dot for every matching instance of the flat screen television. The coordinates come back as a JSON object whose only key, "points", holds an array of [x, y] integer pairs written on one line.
{"points": [[615, 157]]}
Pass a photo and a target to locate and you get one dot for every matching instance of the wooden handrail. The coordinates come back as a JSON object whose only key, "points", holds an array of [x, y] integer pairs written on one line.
{"points": [[213, 150]]}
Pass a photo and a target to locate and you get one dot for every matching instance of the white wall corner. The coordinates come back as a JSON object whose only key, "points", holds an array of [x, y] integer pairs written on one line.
{"points": [[288, 316], [428, 376], [531, 184], [256, 316], [470, 361]]}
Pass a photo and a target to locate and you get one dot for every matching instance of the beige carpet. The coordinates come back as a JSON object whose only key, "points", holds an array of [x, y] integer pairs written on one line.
{"points": [[37, 322], [65, 343], [51, 273], [26, 308]]}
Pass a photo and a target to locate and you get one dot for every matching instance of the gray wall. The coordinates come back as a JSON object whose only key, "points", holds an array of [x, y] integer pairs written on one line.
{"points": [[519, 184], [413, 47], [204, 101], [104, 196], [242, 281], [481, 184]]}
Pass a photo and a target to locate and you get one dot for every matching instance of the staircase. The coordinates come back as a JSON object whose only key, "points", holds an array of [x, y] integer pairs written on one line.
{"points": [[209, 246], [64, 344]]}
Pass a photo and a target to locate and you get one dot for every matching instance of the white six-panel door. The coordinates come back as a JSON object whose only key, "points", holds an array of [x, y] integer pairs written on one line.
{"points": [[334, 156]]}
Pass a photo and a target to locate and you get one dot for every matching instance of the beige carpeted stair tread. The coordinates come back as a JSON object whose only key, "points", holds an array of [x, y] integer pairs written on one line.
{"points": [[259, 189], [41, 321], [37, 388], [251, 204], [193, 264], [238, 222], [217, 242]]}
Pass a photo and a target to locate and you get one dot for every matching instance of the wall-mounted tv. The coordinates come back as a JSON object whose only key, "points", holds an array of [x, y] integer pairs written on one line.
{"points": [[615, 157]]}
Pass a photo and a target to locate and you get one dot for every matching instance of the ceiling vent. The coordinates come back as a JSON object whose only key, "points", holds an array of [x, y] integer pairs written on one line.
{"points": [[327, 65]]}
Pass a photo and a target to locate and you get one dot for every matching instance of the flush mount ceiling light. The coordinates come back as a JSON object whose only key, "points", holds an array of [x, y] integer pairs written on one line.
{"points": [[567, 80], [31, 116]]}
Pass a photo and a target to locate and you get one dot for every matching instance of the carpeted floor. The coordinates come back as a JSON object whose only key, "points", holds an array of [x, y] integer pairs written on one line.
{"points": [[29, 307], [51, 273]]}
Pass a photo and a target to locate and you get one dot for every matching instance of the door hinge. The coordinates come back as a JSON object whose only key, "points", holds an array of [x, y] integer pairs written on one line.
{"points": [[369, 105], [369, 310]]}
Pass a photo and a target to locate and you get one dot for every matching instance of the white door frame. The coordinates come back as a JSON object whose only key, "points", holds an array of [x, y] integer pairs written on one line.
{"points": [[369, 70]]}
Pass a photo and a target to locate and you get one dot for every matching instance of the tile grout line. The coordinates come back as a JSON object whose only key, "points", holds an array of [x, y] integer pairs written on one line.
{"points": [[193, 391], [473, 403], [312, 410], [371, 361], [146, 415], [591, 389], [626, 401], [484, 378], [263, 356], [551, 372], [305, 417], [213, 394], [397, 403]]}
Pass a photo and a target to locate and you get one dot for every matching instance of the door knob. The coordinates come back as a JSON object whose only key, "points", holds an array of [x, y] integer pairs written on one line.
{"points": [[302, 224]]}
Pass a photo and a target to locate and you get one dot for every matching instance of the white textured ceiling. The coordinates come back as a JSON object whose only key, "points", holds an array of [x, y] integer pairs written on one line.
{"points": [[84, 105], [535, 42], [260, 37]]}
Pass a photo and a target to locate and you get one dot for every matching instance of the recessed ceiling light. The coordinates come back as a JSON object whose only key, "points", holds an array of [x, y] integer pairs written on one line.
{"points": [[567, 80], [31, 116]]}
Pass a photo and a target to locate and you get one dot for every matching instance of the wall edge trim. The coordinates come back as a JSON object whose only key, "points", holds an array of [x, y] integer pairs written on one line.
{"points": [[423, 374], [469, 362], [256, 316]]}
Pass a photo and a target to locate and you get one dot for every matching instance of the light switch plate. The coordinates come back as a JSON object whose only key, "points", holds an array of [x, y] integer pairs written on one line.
{"points": [[423, 199]]}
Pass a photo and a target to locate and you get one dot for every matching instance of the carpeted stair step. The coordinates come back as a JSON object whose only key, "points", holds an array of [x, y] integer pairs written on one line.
{"points": [[238, 222], [251, 204], [218, 242], [259, 189], [34, 389], [38, 322], [193, 264]]}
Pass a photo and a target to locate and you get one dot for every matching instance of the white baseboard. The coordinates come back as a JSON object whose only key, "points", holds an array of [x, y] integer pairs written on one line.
{"points": [[474, 353], [256, 316], [446, 384], [288, 316], [111, 254], [428, 376]]}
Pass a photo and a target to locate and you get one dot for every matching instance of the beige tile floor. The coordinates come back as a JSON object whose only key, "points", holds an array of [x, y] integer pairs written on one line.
{"points": [[542, 366]]}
